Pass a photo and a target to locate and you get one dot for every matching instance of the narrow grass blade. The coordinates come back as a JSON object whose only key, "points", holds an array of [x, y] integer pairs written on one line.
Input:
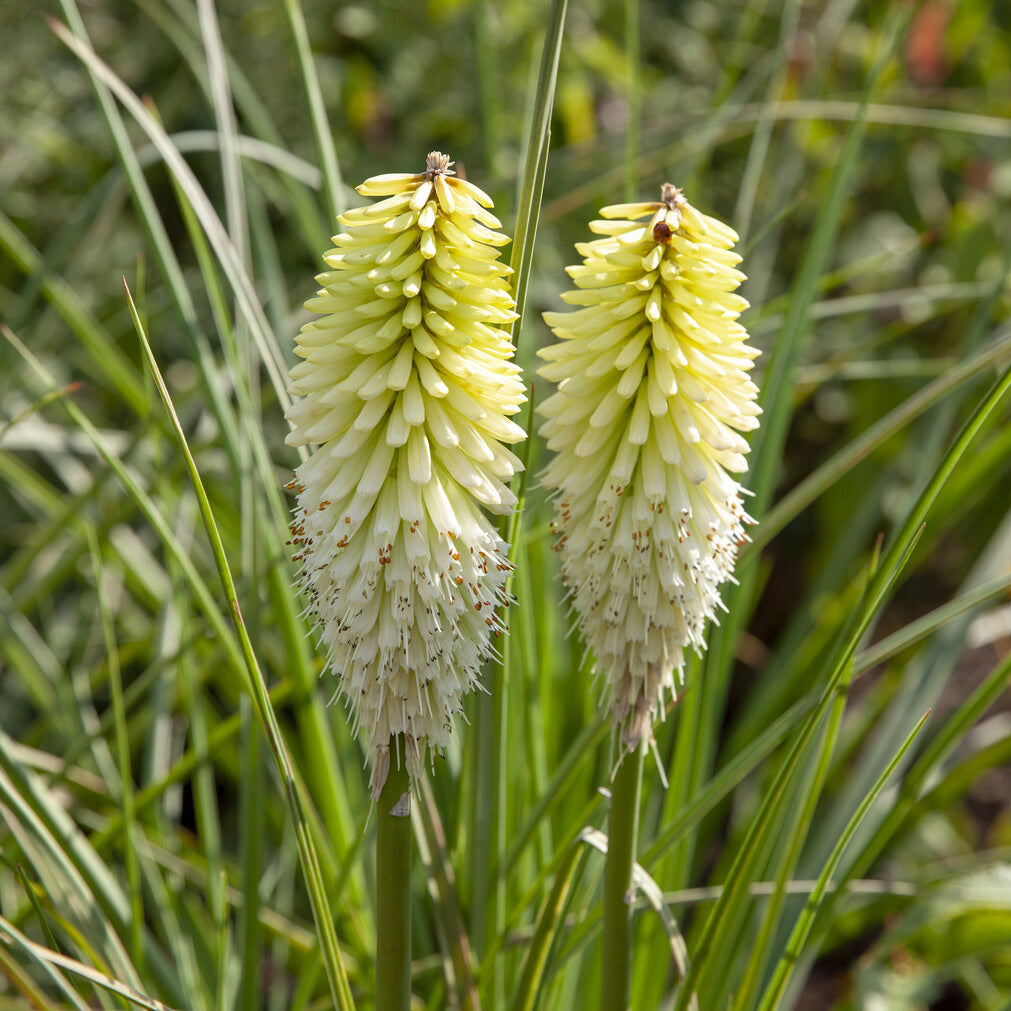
{"points": [[536, 163], [15, 940], [329, 948], [814, 770], [333, 183], [216, 234], [436, 858], [730, 776], [729, 907], [489, 785], [779, 368], [126, 788], [879, 586], [54, 960], [227, 129], [773, 996], [930, 761], [918, 630], [151, 512], [546, 928], [89, 897]]}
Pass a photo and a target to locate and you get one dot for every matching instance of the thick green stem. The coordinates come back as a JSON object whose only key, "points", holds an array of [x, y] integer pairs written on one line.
{"points": [[622, 839], [393, 889]]}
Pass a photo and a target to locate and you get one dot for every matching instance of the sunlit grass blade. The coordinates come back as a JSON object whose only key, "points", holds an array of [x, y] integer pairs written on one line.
{"points": [[487, 829], [43, 401], [53, 960], [430, 837], [785, 855], [546, 929], [330, 165], [536, 161], [773, 995], [66, 865], [227, 129], [223, 247], [322, 914], [150, 510], [918, 630], [18, 976], [929, 762]]}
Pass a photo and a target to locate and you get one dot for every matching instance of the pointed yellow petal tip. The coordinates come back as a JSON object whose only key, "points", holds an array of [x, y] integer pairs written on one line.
{"points": [[630, 211]]}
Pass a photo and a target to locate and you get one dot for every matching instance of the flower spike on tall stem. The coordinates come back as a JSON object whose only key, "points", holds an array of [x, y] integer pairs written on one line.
{"points": [[407, 389]]}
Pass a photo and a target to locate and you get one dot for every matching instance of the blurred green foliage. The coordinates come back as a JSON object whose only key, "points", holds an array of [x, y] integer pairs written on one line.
{"points": [[745, 104]]}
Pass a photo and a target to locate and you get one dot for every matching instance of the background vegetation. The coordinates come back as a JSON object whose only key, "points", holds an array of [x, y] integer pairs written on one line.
{"points": [[863, 151]]}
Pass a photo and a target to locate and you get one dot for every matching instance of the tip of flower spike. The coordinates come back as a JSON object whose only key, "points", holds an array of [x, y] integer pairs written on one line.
{"points": [[438, 164], [672, 196]]}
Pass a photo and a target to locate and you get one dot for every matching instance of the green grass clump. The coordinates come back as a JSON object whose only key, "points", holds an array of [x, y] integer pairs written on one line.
{"points": [[185, 821]]}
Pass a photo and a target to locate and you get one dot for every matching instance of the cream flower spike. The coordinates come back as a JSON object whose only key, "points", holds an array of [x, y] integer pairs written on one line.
{"points": [[407, 388], [652, 395]]}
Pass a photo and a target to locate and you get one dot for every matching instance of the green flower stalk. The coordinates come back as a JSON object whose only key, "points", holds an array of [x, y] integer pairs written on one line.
{"points": [[652, 394], [407, 389]]}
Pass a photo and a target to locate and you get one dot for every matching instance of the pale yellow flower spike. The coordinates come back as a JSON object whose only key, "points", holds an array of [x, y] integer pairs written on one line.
{"points": [[407, 389], [652, 395]]}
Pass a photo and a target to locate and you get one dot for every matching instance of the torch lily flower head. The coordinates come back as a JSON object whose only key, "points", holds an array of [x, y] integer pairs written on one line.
{"points": [[406, 389], [652, 394]]}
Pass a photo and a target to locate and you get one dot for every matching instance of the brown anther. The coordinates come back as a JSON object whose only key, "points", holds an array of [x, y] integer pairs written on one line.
{"points": [[438, 164], [671, 195]]}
